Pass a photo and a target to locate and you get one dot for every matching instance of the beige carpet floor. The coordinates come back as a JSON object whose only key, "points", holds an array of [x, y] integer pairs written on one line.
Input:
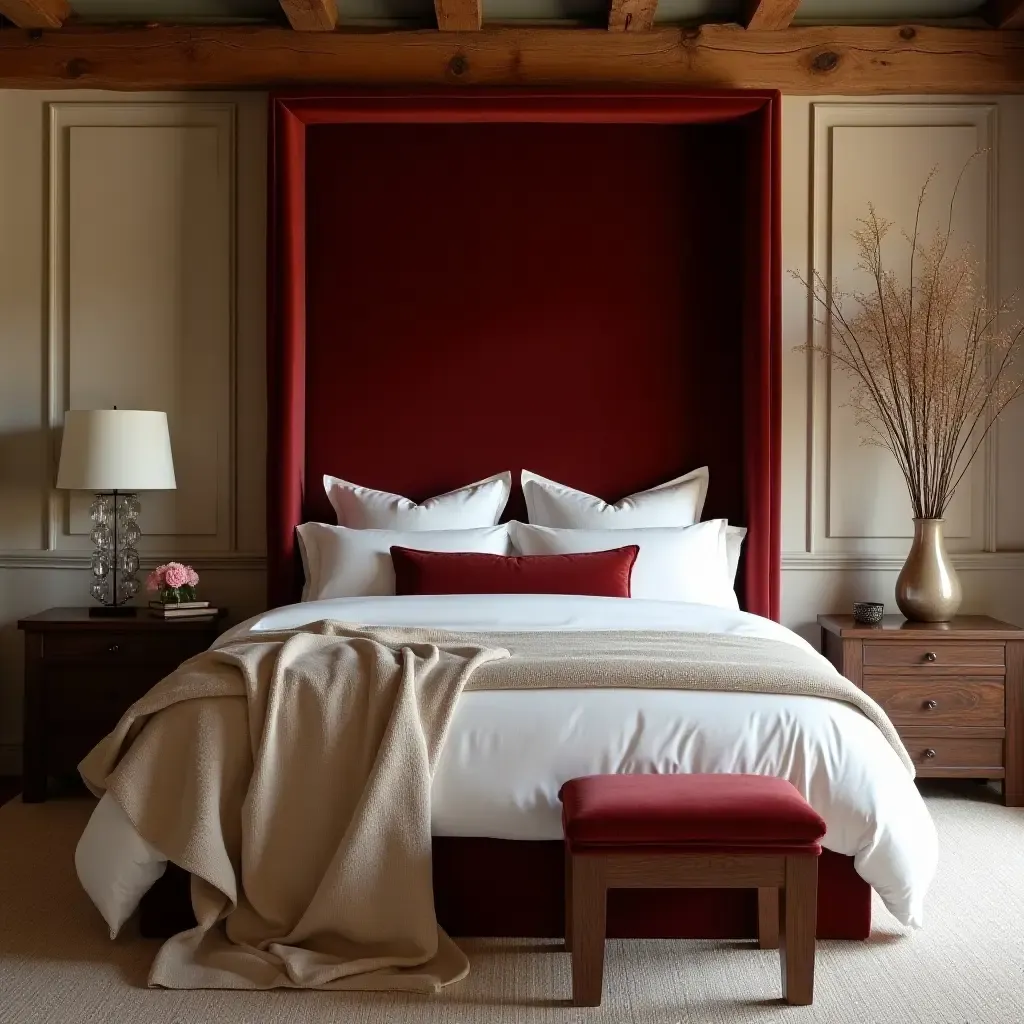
{"points": [[57, 965]]}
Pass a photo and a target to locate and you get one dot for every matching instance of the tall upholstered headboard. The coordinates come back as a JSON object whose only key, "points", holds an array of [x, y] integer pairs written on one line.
{"points": [[587, 286]]}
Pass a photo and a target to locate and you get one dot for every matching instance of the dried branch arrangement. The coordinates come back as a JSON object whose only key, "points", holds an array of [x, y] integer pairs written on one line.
{"points": [[931, 362]]}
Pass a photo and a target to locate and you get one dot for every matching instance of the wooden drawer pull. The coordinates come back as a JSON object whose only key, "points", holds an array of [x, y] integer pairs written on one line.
{"points": [[929, 753], [931, 656], [931, 705]]}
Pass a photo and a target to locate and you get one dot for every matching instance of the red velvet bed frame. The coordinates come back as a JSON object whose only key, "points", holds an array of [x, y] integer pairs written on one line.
{"points": [[587, 286]]}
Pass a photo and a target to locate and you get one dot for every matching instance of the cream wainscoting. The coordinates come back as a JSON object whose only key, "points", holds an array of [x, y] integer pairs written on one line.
{"points": [[132, 255], [846, 516], [131, 271]]}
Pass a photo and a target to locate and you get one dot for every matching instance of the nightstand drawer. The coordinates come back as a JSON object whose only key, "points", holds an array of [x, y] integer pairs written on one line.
{"points": [[940, 753], [95, 700], [937, 654], [940, 700], [108, 647]]}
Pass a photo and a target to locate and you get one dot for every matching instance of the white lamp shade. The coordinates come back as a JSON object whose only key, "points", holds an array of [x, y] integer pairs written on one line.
{"points": [[115, 450]]}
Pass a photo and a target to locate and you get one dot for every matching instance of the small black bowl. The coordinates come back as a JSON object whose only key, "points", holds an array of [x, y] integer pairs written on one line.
{"points": [[868, 613]]}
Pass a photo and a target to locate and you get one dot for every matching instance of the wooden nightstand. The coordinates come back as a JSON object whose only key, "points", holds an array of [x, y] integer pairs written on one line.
{"points": [[954, 691], [81, 675]]}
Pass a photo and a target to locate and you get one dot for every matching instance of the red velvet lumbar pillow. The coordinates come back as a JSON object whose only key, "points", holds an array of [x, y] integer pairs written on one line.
{"points": [[593, 573]]}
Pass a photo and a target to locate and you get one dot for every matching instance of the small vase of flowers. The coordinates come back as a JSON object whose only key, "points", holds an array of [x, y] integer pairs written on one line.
{"points": [[174, 582]]}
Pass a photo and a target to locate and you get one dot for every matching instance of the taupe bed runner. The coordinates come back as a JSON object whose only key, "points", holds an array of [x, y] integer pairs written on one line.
{"points": [[290, 773]]}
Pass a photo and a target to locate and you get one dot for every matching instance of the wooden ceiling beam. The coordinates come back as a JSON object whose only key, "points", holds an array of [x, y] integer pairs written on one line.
{"points": [[311, 15], [36, 13], [851, 61], [1005, 13], [459, 15], [770, 15], [632, 15]]}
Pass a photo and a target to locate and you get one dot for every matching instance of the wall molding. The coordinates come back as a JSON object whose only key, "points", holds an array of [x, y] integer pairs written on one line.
{"points": [[973, 561], [229, 561]]}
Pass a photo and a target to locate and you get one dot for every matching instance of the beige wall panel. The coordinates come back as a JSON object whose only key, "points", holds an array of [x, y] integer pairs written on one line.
{"points": [[831, 484], [24, 486], [882, 153], [887, 166], [149, 316], [142, 201]]}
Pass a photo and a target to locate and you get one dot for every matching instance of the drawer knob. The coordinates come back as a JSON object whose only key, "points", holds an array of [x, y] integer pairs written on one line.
{"points": [[929, 753], [930, 656], [113, 648], [931, 705]]}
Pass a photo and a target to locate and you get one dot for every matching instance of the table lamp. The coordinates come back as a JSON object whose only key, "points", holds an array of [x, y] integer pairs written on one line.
{"points": [[115, 453]]}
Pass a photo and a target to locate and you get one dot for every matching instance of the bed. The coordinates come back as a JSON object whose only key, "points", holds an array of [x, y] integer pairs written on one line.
{"points": [[495, 803], [640, 337]]}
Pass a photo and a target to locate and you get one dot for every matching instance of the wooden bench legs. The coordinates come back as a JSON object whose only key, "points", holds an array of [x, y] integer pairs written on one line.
{"points": [[589, 899], [787, 906], [799, 923]]}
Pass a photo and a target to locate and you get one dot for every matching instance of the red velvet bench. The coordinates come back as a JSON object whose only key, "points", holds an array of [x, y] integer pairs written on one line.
{"points": [[691, 831]]}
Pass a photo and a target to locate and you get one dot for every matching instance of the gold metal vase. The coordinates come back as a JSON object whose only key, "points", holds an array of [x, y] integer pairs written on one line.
{"points": [[928, 589]]}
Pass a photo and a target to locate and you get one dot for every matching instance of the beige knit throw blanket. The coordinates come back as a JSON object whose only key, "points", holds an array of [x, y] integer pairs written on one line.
{"points": [[290, 774]]}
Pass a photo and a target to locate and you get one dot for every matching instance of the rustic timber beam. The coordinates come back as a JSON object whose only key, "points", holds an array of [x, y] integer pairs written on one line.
{"points": [[459, 15], [632, 15], [36, 13], [770, 15], [846, 61], [311, 15], [1005, 13]]}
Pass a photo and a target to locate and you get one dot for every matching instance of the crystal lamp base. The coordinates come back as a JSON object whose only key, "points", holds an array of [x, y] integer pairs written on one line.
{"points": [[115, 560]]}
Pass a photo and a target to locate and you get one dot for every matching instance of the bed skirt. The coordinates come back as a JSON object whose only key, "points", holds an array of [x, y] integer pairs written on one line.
{"points": [[500, 887]]}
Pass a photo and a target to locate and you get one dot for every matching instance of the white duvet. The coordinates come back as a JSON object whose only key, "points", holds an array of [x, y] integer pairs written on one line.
{"points": [[508, 752]]}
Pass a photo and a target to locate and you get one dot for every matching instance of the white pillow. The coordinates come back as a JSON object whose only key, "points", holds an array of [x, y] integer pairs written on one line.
{"points": [[678, 502], [469, 508], [734, 536], [341, 562], [686, 563], [115, 865]]}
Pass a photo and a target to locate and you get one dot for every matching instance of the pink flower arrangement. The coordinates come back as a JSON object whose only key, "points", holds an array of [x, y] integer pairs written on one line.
{"points": [[174, 581]]}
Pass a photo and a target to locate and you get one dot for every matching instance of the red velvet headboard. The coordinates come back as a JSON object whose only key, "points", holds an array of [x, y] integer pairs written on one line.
{"points": [[586, 286]]}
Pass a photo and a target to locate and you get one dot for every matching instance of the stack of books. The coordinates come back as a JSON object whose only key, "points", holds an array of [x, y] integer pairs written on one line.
{"points": [[185, 610]]}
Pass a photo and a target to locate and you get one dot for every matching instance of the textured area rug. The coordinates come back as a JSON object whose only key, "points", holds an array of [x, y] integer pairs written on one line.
{"points": [[57, 965]]}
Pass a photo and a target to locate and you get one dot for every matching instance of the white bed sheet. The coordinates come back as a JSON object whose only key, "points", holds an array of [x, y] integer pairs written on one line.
{"points": [[508, 752]]}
